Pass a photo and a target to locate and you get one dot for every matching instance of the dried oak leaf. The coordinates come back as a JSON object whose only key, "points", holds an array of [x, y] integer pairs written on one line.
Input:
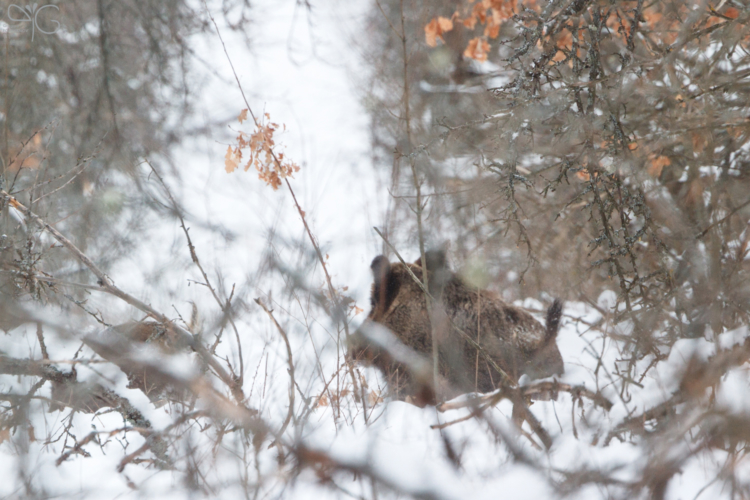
{"points": [[232, 159], [502, 10], [435, 30], [477, 49], [657, 165], [470, 22], [732, 13]]}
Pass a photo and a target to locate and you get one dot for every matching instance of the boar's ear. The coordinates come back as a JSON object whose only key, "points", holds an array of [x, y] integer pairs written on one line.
{"points": [[381, 268], [385, 287], [435, 260], [438, 270]]}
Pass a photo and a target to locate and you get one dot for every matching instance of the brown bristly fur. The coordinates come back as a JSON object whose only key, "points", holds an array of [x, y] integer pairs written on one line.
{"points": [[509, 335]]}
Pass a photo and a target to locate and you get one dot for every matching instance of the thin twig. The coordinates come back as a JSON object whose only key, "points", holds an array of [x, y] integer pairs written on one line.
{"points": [[530, 390], [723, 219], [290, 360], [40, 337]]}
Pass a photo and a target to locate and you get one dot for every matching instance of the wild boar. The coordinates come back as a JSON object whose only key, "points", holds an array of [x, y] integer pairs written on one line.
{"points": [[462, 317]]}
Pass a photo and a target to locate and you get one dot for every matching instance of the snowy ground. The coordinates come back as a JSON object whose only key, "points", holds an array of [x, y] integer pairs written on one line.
{"points": [[400, 447]]}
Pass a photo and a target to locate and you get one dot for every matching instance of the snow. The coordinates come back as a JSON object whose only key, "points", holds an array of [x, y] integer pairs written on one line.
{"points": [[400, 448]]}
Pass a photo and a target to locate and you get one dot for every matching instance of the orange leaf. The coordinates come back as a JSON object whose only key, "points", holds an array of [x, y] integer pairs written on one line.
{"points": [[652, 17], [477, 49], [470, 21], [501, 11], [431, 33], [657, 165], [565, 40], [732, 13], [435, 30], [559, 56], [243, 116], [231, 160], [445, 24], [480, 11], [492, 30]]}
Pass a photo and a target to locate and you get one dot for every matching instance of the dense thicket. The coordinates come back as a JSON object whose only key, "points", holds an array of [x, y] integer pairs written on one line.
{"points": [[569, 148], [87, 91]]}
